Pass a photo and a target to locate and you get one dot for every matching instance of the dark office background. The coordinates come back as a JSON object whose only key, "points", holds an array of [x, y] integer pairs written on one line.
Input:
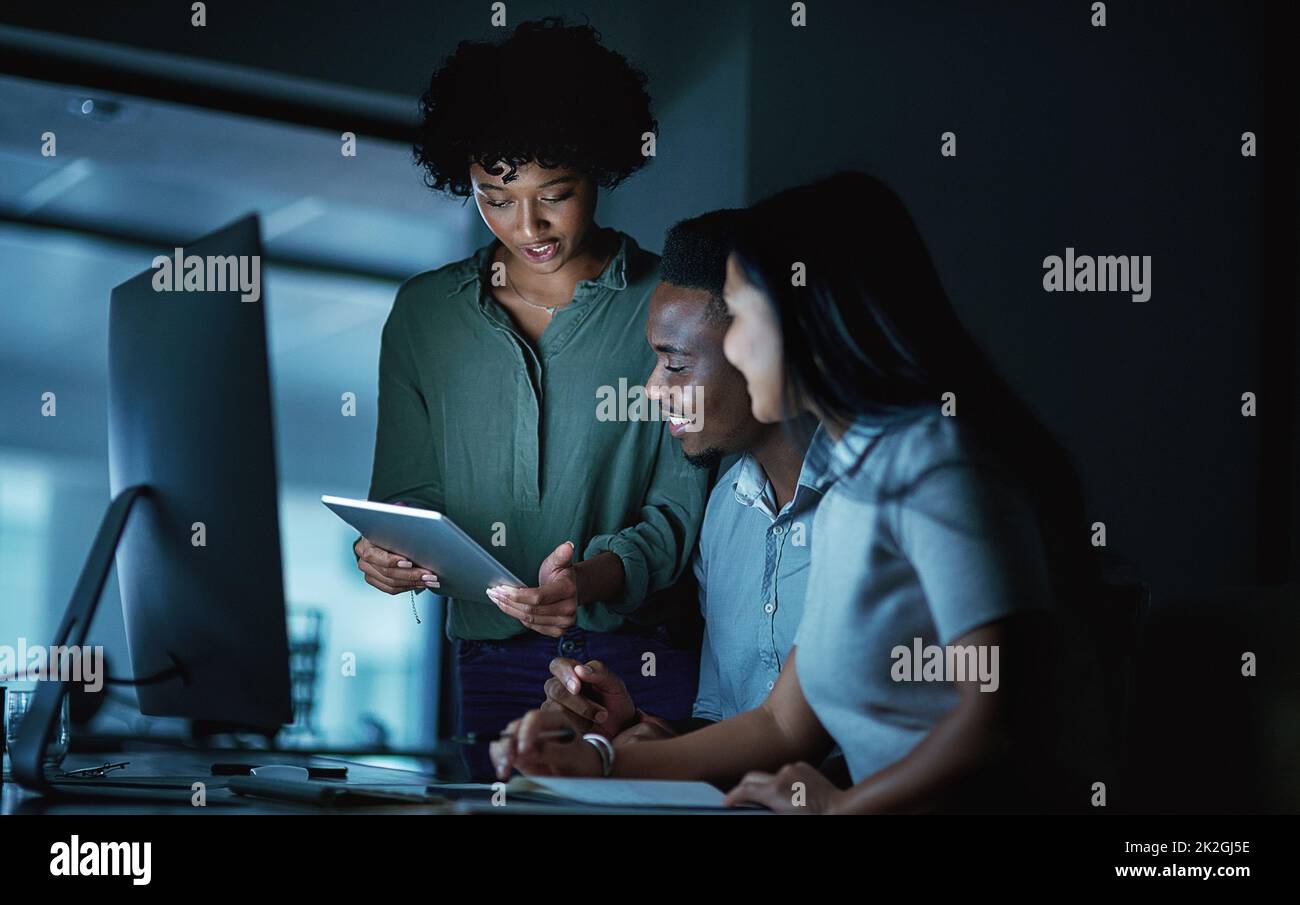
{"points": [[1117, 140]]}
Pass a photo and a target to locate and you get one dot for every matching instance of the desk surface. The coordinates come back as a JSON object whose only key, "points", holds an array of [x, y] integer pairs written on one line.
{"points": [[184, 767], [187, 766]]}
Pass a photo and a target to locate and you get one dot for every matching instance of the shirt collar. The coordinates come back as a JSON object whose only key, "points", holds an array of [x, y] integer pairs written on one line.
{"points": [[846, 452], [751, 482], [474, 268], [816, 472], [752, 486]]}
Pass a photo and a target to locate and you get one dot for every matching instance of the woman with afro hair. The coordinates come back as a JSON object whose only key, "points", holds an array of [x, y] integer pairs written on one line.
{"points": [[491, 369]]}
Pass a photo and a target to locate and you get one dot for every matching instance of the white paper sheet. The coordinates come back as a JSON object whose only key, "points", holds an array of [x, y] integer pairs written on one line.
{"points": [[622, 792]]}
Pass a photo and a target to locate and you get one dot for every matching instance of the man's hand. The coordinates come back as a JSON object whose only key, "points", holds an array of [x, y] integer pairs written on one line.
{"points": [[591, 695], [552, 606], [521, 749], [795, 789], [648, 729]]}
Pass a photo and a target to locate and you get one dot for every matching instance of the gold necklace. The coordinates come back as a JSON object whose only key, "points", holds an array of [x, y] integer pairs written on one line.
{"points": [[549, 309]]}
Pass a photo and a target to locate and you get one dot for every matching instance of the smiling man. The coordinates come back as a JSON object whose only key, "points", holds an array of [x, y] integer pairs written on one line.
{"points": [[756, 540]]}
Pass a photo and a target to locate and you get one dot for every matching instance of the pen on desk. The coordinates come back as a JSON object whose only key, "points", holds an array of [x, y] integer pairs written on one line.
{"points": [[480, 738], [96, 771]]}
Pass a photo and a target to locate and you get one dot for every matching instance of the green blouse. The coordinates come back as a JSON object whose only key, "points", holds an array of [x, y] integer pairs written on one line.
{"points": [[505, 438]]}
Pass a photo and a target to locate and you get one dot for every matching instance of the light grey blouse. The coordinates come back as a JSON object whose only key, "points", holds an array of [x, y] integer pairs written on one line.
{"points": [[918, 543]]}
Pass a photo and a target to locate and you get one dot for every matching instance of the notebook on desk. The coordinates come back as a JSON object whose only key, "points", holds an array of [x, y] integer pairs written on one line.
{"points": [[623, 793], [331, 794]]}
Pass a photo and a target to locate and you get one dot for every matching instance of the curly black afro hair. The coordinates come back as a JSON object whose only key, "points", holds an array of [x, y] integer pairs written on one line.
{"points": [[550, 93]]}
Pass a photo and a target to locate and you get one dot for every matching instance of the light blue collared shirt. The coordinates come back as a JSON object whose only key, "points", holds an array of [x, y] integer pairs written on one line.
{"points": [[752, 566]]}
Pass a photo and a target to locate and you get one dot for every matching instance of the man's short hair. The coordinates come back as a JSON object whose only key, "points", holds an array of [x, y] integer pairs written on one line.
{"points": [[695, 257]]}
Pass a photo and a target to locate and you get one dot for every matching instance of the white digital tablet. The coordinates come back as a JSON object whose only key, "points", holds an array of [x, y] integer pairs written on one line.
{"points": [[429, 539]]}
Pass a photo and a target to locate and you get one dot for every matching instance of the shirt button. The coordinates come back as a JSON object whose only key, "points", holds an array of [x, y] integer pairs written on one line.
{"points": [[771, 685], [768, 608], [779, 529]]}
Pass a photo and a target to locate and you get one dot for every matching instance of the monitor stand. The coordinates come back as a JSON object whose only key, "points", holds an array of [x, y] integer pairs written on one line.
{"points": [[27, 756]]}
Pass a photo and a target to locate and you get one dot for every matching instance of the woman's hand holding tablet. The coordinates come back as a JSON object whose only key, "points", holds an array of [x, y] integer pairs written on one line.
{"points": [[391, 572], [400, 545]]}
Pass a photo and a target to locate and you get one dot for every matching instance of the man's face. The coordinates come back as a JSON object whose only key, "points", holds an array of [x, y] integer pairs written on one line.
{"points": [[693, 380]]}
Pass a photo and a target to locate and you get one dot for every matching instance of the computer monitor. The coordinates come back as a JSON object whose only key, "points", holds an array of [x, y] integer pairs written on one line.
{"points": [[192, 463]]}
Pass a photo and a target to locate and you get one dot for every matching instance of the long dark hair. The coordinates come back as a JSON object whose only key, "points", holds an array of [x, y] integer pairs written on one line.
{"points": [[871, 335]]}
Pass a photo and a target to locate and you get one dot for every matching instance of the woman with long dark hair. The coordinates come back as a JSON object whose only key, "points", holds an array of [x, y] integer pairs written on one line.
{"points": [[953, 534]]}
